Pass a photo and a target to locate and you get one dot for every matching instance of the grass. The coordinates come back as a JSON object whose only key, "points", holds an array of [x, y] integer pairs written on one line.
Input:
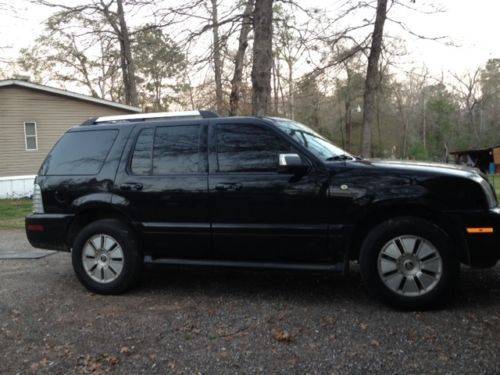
{"points": [[13, 211], [495, 180]]}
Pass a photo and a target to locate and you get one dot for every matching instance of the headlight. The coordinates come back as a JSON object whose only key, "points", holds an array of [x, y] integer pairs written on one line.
{"points": [[488, 190]]}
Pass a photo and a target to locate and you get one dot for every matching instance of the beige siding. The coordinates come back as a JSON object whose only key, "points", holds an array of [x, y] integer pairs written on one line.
{"points": [[53, 115]]}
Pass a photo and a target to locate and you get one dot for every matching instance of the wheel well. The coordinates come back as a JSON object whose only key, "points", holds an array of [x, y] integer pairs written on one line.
{"points": [[84, 218], [366, 224]]}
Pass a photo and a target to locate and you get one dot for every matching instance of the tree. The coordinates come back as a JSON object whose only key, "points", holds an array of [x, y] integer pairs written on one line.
{"points": [[308, 101], [262, 57], [287, 48], [127, 62], [350, 92], [239, 60], [159, 61], [467, 87], [60, 56], [99, 16], [221, 19], [372, 78], [489, 118], [441, 111], [410, 105], [216, 47]]}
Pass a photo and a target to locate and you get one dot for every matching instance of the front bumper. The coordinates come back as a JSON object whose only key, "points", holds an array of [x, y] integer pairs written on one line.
{"points": [[48, 231], [481, 231]]}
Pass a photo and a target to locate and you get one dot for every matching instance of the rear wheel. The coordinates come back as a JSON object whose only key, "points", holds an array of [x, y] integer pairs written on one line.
{"points": [[105, 257], [409, 263]]}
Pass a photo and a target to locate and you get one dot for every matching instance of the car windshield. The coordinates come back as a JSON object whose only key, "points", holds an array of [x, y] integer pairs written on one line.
{"points": [[314, 142]]}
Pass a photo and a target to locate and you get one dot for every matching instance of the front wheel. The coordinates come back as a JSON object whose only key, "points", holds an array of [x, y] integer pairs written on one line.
{"points": [[409, 264], [105, 257]]}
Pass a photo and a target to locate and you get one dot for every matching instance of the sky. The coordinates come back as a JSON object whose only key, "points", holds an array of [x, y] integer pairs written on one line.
{"points": [[474, 27]]}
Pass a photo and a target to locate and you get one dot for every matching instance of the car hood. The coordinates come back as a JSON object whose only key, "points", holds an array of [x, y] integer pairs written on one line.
{"points": [[423, 167]]}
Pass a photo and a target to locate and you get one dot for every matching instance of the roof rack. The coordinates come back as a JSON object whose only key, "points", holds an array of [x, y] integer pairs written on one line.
{"points": [[150, 117]]}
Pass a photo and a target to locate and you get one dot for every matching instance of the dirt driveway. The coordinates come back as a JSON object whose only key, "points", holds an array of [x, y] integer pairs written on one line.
{"points": [[192, 321]]}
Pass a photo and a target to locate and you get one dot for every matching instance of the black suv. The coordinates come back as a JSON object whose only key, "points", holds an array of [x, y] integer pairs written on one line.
{"points": [[196, 189]]}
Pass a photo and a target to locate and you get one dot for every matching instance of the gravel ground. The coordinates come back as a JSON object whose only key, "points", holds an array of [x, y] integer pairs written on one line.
{"points": [[232, 321]]}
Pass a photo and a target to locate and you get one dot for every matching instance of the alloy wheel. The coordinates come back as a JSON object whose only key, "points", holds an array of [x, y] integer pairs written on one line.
{"points": [[410, 265], [102, 258]]}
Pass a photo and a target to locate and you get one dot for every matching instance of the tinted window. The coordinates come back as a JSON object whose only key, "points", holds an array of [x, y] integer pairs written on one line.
{"points": [[80, 153], [142, 160], [248, 148], [176, 149]]}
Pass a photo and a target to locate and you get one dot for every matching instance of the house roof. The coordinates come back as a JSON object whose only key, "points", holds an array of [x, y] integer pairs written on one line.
{"points": [[74, 95], [487, 149]]}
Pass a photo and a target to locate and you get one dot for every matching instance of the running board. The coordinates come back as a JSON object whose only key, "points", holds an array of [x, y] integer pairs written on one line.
{"points": [[337, 267]]}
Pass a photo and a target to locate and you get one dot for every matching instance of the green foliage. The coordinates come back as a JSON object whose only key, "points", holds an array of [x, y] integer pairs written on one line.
{"points": [[495, 180], [488, 111], [490, 80], [418, 152], [441, 115], [352, 87], [159, 62], [61, 56], [307, 102]]}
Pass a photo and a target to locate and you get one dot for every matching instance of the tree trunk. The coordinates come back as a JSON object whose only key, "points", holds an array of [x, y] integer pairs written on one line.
{"points": [[348, 110], [281, 94], [291, 95], [127, 62], [239, 61], [424, 125], [219, 101], [275, 89], [404, 121], [262, 57], [371, 83], [348, 125]]}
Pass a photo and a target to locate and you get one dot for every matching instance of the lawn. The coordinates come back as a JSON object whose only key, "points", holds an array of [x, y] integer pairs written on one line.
{"points": [[13, 211], [495, 180]]}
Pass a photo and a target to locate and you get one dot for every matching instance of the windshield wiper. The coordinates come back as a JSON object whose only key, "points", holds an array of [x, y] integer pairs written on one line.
{"points": [[340, 157]]}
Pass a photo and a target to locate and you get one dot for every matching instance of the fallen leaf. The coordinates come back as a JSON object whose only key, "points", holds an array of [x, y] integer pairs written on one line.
{"points": [[125, 350], [112, 360], [329, 319], [280, 335]]}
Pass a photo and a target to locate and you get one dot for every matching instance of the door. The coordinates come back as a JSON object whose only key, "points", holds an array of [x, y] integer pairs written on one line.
{"points": [[257, 213], [164, 184]]}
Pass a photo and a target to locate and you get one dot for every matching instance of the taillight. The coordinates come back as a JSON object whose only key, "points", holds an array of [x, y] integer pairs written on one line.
{"points": [[37, 200]]}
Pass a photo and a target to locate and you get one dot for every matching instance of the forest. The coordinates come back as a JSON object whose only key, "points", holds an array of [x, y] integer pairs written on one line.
{"points": [[334, 67]]}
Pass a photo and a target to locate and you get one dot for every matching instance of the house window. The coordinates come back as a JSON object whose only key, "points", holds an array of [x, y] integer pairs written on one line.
{"points": [[30, 136]]}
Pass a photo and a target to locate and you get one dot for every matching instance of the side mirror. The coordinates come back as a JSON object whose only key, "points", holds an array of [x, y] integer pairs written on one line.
{"points": [[291, 163]]}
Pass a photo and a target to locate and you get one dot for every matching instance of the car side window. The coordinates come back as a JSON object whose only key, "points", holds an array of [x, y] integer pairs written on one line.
{"points": [[79, 153], [176, 149], [167, 150], [142, 159], [248, 148]]}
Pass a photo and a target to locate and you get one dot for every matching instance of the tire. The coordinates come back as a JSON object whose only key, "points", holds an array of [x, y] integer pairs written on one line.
{"points": [[409, 264], [106, 258]]}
